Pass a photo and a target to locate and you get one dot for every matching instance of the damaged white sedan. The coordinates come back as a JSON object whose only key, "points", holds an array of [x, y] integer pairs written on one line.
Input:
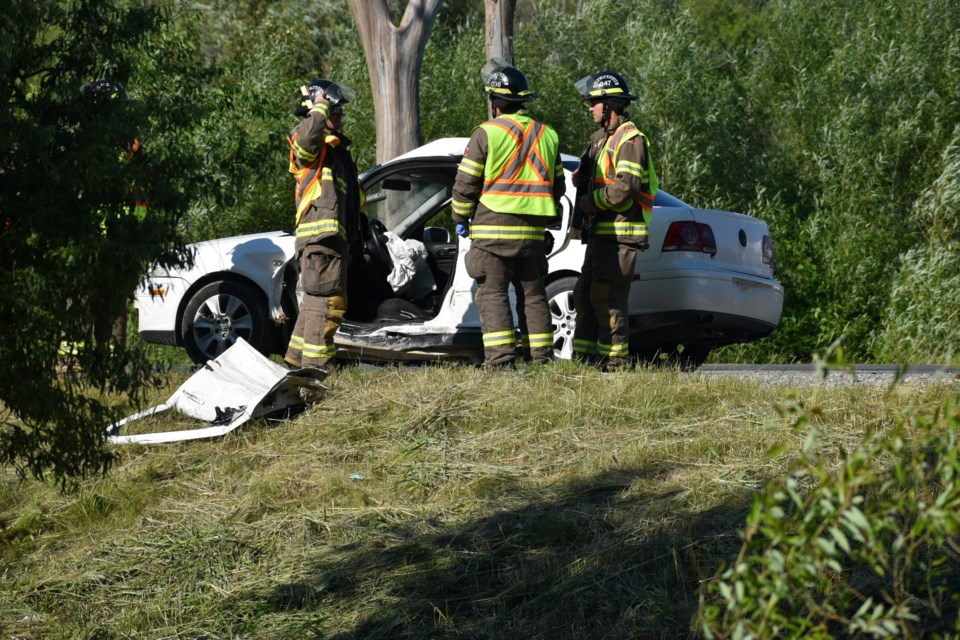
{"points": [[706, 281]]}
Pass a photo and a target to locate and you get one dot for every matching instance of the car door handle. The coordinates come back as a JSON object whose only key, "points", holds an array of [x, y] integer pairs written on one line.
{"points": [[446, 252]]}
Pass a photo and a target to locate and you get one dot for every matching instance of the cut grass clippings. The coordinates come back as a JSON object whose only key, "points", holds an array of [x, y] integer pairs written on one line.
{"points": [[434, 502]]}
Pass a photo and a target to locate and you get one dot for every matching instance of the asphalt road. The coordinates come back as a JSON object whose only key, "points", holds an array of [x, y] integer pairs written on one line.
{"points": [[807, 374]]}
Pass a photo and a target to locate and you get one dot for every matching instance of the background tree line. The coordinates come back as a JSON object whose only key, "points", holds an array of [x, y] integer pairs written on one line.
{"points": [[837, 124]]}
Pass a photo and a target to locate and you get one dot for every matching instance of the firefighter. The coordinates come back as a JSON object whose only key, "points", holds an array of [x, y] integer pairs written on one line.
{"points": [[617, 184], [507, 190], [108, 100], [328, 198]]}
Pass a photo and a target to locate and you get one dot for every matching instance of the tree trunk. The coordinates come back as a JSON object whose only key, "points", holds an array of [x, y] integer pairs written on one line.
{"points": [[394, 57], [499, 32], [499, 25]]}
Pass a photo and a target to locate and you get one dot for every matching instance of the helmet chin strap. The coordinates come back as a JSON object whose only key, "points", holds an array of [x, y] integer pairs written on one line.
{"points": [[605, 115]]}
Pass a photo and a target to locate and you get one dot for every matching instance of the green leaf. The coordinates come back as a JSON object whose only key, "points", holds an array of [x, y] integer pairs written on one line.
{"points": [[841, 538]]}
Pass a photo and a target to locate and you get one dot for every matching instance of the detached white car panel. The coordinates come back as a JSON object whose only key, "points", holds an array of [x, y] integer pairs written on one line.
{"points": [[706, 280]]}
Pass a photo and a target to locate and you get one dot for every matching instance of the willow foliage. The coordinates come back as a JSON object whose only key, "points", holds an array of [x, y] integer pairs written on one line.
{"points": [[71, 250]]}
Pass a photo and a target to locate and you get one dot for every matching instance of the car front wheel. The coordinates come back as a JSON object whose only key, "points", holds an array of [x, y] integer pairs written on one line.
{"points": [[217, 315], [563, 315]]}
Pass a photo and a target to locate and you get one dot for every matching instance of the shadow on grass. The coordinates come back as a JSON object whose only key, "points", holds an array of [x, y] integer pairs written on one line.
{"points": [[599, 560]]}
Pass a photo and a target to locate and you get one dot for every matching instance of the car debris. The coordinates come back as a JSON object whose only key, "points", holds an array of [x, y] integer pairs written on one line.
{"points": [[228, 391]]}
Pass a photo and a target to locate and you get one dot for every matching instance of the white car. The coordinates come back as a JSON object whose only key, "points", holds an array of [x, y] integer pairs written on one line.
{"points": [[706, 280]]}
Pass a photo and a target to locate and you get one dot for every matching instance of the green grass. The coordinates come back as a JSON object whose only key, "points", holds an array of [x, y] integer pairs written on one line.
{"points": [[440, 502]]}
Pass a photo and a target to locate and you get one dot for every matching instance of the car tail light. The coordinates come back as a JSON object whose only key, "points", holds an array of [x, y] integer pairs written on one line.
{"points": [[690, 236], [768, 251]]}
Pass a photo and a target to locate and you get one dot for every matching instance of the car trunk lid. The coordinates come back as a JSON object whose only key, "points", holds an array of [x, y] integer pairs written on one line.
{"points": [[742, 243]]}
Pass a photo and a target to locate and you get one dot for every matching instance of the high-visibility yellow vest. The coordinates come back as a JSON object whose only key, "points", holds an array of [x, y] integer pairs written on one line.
{"points": [[609, 164], [138, 205], [519, 173]]}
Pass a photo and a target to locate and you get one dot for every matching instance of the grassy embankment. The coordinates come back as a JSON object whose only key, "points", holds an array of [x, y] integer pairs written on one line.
{"points": [[437, 502]]}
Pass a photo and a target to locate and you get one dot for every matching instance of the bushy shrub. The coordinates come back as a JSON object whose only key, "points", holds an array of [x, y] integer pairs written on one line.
{"points": [[866, 550], [859, 99], [703, 139], [925, 295], [72, 243]]}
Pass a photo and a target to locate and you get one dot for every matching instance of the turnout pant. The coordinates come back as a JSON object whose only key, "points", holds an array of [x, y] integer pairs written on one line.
{"points": [[494, 274], [601, 298], [324, 277]]}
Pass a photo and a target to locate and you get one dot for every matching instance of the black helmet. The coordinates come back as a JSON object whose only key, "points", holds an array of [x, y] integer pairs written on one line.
{"points": [[607, 85], [336, 93], [104, 91], [503, 81]]}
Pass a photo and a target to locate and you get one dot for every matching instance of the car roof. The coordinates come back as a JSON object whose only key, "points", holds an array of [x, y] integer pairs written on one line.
{"points": [[455, 147], [441, 147]]}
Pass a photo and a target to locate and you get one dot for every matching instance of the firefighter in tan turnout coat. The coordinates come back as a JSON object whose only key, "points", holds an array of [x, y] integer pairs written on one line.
{"points": [[329, 198], [618, 183]]}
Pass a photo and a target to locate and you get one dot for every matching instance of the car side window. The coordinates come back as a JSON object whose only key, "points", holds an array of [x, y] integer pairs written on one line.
{"points": [[400, 200]]}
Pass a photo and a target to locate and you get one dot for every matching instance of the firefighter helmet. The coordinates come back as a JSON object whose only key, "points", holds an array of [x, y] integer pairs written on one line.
{"points": [[336, 93], [604, 85], [104, 91], [502, 80]]}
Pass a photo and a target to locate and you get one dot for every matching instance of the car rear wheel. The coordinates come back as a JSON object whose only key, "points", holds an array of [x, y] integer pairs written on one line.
{"points": [[680, 356], [690, 358], [563, 315], [217, 315]]}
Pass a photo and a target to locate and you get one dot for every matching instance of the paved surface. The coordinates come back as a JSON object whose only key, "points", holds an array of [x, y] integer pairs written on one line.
{"points": [[861, 374]]}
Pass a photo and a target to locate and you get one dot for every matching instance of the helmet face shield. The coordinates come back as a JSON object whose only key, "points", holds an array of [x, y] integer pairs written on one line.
{"points": [[492, 66], [602, 85], [583, 87], [339, 94]]}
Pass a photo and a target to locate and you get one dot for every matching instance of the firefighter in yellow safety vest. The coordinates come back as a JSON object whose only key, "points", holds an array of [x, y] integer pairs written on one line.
{"points": [[507, 191], [617, 183], [108, 324], [328, 198]]}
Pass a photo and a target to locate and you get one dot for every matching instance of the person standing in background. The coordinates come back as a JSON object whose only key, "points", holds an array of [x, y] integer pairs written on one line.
{"points": [[619, 184]]}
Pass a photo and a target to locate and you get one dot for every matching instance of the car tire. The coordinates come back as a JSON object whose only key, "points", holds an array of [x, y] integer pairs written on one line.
{"points": [[217, 315], [563, 315]]}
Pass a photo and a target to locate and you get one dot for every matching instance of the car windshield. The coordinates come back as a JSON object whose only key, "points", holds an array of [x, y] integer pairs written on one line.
{"points": [[401, 198]]}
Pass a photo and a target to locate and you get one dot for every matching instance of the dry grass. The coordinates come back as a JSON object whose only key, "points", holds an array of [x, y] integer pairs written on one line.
{"points": [[424, 503]]}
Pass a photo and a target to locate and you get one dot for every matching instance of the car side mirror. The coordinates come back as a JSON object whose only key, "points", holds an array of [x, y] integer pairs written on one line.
{"points": [[436, 235]]}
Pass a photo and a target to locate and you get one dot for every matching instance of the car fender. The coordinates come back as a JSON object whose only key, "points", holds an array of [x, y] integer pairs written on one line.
{"points": [[263, 259]]}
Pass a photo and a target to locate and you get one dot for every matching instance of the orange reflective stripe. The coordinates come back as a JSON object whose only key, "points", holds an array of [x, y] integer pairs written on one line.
{"points": [[512, 128], [526, 153], [307, 180], [645, 200]]}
